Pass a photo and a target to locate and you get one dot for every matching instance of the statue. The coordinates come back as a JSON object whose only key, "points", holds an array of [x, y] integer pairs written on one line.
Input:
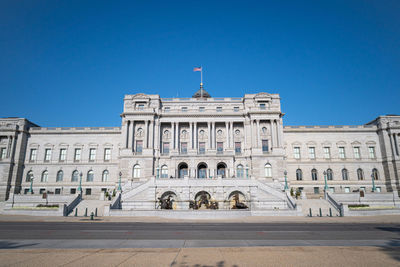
{"points": [[166, 204], [203, 201], [238, 205]]}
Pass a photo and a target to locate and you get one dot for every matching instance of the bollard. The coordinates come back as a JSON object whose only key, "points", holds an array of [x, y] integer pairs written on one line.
{"points": [[330, 212], [85, 212], [91, 216], [310, 213], [95, 213], [320, 212], [76, 212]]}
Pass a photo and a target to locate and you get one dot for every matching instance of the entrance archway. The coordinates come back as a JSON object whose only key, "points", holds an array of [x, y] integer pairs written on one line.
{"points": [[182, 170], [221, 169], [202, 170]]}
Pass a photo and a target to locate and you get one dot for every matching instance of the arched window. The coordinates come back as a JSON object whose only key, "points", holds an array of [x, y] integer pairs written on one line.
{"points": [[90, 176], [74, 177], [345, 174], [329, 174], [239, 171], [314, 175], [104, 177], [136, 171], [29, 176], [375, 174], [164, 171], [360, 174], [299, 175], [60, 176], [45, 176], [268, 170]]}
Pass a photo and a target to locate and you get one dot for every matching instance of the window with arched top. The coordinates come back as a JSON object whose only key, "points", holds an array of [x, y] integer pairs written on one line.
{"points": [[314, 175], [239, 171], [268, 170], [299, 175], [75, 175], [136, 171], [90, 176], [375, 174], [45, 176], [60, 176], [345, 174], [29, 176], [164, 171], [104, 177], [329, 174], [360, 174]]}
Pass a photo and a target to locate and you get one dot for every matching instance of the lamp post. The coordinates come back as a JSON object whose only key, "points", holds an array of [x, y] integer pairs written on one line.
{"points": [[80, 182], [30, 188], [158, 172], [326, 184], [247, 171], [119, 182], [286, 185], [373, 182]]}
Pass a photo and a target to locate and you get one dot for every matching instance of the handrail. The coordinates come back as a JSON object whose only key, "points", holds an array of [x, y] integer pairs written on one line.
{"points": [[116, 204], [291, 201], [335, 204], [69, 208]]}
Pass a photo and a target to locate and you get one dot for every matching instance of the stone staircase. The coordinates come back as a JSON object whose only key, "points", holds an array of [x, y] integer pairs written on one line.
{"points": [[315, 205], [91, 206]]}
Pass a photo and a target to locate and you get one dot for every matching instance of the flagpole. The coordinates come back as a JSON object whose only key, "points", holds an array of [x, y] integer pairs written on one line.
{"points": [[201, 81]]}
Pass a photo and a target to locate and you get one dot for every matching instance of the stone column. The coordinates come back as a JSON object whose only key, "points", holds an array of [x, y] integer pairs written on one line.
{"points": [[258, 133], [245, 145], [9, 138], [208, 135], [279, 133], [176, 135], [124, 130], [191, 135], [146, 132], [213, 135], [157, 135], [273, 141], [232, 140], [130, 133], [151, 134], [227, 145], [195, 135]]}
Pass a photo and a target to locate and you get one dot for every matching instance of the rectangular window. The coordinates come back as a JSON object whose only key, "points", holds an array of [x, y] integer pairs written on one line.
{"points": [[88, 191], [342, 153], [32, 156], [107, 154], [296, 152], [167, 109], [47, 154], [327, 152], [72, 191], [92, 154], [347, 189], [57, 191], [316, 190], [356, 151], [262, 106], [26, 190], [63, 154], [3, 153], [311, 152], [202, 147], [378, 189], [201, 109], [77, 155], [371, 151], [220, 147], [236, 109], [183, 148], [238, 147], [264, 146], [166, 148], [332, 189], [42, 191], [139, 146], [219, 109], [184, 109], [140, 107]]}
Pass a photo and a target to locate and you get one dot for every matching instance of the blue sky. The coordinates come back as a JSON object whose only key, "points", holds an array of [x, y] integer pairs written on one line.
{"points": [[69, 63]]}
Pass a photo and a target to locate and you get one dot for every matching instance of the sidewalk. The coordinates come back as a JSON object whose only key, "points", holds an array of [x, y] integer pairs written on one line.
{"points": [[219, 257], [271, 219]]}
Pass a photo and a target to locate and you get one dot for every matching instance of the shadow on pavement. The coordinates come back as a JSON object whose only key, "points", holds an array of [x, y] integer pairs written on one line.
{"points": [[11, 245], [392, 247]]}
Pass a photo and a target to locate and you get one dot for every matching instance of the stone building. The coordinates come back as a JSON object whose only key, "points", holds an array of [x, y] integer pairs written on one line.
{"points": [[187, 146]]}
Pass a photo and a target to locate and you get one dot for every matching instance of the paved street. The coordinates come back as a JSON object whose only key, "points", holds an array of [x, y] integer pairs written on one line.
{"points": [[177, 235]]}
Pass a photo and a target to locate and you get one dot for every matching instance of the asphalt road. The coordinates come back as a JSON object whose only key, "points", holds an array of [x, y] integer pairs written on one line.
{"points": [[126, 235]]}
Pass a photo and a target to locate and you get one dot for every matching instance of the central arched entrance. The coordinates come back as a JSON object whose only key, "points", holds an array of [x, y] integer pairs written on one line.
{"points": [[202, 170], [221, 169], [182, 170]]}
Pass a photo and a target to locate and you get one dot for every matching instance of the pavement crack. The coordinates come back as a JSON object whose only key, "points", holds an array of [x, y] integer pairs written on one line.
{"points": [[177, 254], [83, 256], [119, 264]]}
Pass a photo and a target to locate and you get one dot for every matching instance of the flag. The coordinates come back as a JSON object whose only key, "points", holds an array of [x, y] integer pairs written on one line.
{"points": [[197, 69]]}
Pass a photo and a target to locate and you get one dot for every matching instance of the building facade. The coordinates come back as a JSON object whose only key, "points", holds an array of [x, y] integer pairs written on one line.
{"points": [[199, 144]]}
